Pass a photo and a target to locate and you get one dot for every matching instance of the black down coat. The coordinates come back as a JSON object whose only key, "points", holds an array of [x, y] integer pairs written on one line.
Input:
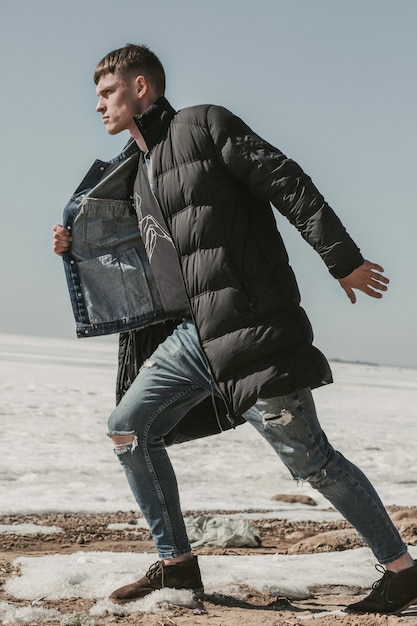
{"points": [[215, 180]]}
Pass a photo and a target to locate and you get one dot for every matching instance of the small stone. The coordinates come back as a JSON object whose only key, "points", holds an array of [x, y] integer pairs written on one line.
{"points": [[294, 498], [331, 541]]}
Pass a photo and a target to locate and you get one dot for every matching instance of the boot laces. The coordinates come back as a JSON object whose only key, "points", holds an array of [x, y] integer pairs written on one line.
{"points": [[156, 570], [381, 582]]}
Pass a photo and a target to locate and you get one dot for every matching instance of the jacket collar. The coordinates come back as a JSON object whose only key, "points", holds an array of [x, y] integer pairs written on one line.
{"points": [[154, 122]]}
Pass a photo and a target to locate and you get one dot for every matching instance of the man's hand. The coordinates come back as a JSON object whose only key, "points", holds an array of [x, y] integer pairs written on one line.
{"points": [[62, 239], [367, 278]]}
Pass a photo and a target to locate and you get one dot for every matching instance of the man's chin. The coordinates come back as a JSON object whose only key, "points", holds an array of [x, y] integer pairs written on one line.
{"points": [[112, 129]]}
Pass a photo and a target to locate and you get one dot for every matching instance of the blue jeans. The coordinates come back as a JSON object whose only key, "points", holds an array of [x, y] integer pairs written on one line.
{"points": [[176, 378]]}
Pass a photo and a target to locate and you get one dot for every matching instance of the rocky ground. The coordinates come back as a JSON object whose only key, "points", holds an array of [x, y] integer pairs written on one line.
{"points": [[90, 532]]}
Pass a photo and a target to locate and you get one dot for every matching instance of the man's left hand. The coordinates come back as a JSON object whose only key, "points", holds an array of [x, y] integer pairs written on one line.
{"points": [[368, 278]]}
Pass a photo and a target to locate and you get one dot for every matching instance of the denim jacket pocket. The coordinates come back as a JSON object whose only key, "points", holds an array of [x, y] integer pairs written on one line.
{"points": [[115, 287], [102, 232], [106, 223]]}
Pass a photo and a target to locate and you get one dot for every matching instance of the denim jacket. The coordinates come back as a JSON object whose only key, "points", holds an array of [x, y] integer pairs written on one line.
{"points": [[109, 278]]}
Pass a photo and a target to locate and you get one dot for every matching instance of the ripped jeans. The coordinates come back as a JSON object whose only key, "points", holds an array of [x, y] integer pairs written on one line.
{"points": [[177, 378]]}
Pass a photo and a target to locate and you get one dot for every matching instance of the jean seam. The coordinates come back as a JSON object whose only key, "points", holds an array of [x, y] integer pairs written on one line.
{"points": [[144, 446], [390, 528]]}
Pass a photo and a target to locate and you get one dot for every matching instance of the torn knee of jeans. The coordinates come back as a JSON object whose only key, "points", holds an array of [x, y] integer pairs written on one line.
{"points": [[147, 364], [124, 442], [283, 418], [318, 480]]}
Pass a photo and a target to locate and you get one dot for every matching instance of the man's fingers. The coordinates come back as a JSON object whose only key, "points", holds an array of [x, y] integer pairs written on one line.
{"points": [[372, 292], [61, 239], [350, 294], [379, 277], [374, 266], [378, 284]]}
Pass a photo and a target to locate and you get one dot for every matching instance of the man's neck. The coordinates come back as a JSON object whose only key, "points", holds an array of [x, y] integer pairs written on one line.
{"points": [[137, 136]]}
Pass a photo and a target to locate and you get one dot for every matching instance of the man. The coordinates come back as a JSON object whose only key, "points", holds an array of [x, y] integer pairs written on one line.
{"points": [[217, 294]]}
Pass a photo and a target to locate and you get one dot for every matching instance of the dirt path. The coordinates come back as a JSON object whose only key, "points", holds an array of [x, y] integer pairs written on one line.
{"points": [[91, 532]]}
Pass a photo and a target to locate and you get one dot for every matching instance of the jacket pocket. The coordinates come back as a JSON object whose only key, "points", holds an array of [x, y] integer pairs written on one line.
{"points": [[115, 288], [104, 221]]}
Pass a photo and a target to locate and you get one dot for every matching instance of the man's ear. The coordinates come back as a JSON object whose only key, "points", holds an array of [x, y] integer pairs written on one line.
{"points": [[141, 85]]}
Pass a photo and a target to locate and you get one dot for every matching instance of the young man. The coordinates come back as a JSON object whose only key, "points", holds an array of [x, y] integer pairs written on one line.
{"points": [[212, 308]]}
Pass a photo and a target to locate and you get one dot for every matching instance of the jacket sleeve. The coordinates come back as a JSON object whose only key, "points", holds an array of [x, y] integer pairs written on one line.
{"points": [[270, 175]]}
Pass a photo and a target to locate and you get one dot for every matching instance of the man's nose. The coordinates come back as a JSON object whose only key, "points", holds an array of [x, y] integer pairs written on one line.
{"points": [[100, 106]]}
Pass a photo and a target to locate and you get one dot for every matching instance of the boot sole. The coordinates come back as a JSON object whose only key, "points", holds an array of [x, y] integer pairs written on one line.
{"points": [[397, 612], [405, 607], [198, 593]]}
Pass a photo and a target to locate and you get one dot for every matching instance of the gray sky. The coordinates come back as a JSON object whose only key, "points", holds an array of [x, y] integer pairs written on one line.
{"points": [[332, 83]]}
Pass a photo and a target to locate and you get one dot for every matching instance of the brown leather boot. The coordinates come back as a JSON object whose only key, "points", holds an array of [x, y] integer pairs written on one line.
{"points": [[182, 575], [393, 593]]}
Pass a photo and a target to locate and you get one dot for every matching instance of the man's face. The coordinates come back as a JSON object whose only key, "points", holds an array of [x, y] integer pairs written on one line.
{"points": [[118, 102]]}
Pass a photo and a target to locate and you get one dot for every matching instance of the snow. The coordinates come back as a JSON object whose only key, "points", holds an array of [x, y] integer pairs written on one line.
{"points": [[56, 396], [95, 574], [29, 529]]}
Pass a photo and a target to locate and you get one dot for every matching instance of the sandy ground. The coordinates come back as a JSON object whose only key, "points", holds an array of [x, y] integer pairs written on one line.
{"points": [[90, 532]]}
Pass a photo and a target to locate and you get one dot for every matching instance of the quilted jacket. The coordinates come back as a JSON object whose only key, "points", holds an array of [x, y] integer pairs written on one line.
{"points": [[215, 180]]}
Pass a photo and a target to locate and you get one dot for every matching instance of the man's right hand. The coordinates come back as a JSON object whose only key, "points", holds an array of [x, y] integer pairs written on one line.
{"points": [[62, 239]]}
